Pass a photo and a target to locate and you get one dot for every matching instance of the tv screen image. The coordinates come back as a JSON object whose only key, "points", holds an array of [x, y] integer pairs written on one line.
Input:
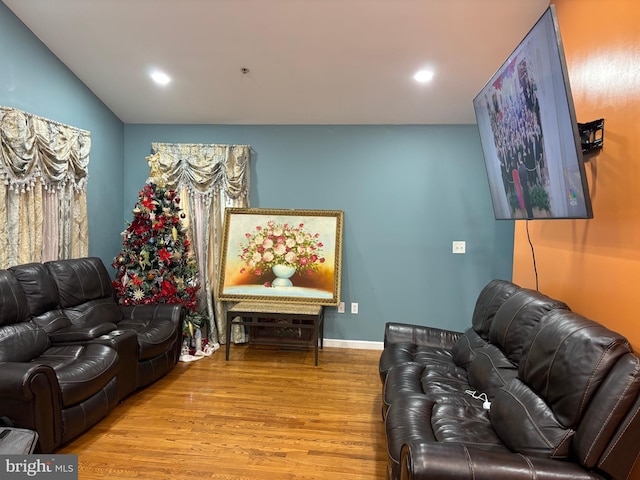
{"points": [[529, 133]]}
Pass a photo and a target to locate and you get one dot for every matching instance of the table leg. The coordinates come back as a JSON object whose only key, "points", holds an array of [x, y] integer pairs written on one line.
{"points": [[316, 326], [228, 329]]}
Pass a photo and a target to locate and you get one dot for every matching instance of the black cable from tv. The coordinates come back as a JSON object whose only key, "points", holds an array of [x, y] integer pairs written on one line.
{"points": [[533, 255]]}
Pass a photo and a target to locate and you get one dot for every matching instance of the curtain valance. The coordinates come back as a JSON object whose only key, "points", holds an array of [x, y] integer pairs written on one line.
{"points": [[34, 147], [201, 168]]}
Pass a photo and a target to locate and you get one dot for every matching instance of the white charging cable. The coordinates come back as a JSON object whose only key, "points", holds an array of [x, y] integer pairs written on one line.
{"points": [[486, 404]]}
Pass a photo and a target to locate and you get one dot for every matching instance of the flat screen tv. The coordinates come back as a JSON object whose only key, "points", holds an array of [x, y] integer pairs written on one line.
{"points": [[529, 133]]}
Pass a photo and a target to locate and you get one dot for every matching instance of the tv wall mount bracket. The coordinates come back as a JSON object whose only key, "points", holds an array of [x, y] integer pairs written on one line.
{"points": [[591, 136]]}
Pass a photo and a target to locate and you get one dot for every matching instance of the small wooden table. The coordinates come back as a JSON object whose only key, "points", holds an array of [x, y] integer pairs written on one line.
{"points": [[294, 315]]}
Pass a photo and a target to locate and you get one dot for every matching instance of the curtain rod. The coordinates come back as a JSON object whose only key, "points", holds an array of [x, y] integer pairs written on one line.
{"points": [[154, 144], [48, 120]]}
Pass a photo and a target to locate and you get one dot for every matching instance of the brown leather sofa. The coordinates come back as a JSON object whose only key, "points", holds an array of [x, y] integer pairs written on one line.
{"points": [[530, 391], [69, 353]]}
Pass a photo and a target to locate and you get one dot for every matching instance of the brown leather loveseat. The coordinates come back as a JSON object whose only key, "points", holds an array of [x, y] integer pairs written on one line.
{"points": [[530, 391], [69, 353]]}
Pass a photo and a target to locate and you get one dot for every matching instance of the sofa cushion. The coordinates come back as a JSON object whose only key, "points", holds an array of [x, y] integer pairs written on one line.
{"points": [[566, 359], [154, 337], [490, 299], [490, 370], [94, 312], [22, 342], [13, 303], [606, 414], [427, 355], [80, 280], [82, 370], [38, 285], [442, 379], [413, 379], [464, 423], [466, 348], [517, 317], [526, 424], [52, 320], [443, 419]]}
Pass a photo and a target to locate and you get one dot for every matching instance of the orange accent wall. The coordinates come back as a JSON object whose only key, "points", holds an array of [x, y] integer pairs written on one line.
{"points": [[594, 265]]}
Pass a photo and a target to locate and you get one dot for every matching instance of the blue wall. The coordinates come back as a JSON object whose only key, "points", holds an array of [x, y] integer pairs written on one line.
{"points": [[407, 193], [34, 80]]}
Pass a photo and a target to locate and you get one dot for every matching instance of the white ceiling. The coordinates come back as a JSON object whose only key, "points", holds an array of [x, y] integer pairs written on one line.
{"points": [[309, 61]]}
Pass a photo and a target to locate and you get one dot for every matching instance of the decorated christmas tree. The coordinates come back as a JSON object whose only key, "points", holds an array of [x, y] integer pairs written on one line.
{"points": [[155, 265]]}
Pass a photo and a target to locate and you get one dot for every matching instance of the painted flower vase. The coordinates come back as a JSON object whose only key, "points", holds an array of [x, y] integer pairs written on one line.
{"points": [[283, 273]]}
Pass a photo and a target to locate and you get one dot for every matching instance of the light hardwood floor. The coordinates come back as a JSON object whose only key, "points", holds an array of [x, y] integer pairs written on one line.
{"points": [[265, 414]]}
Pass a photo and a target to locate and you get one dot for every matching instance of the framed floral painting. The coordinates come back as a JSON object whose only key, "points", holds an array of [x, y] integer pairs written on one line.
{"points": [[279, 255]]}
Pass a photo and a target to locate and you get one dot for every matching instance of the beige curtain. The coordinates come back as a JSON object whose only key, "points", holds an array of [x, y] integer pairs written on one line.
{"points": [[209, 178], [43, 176]]}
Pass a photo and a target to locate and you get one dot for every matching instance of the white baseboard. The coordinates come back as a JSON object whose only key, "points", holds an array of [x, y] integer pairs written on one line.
{"points": [[361, 344]]}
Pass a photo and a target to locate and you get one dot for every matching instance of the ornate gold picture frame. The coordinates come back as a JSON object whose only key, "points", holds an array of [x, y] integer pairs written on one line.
{"points": [[278, 255]]}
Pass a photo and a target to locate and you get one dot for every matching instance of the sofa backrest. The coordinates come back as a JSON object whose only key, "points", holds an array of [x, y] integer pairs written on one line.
{"points": [[517, 317], [566, 399], [496, 363], [609, 433], [490, 299], [85, 291], [80, 280], [20, 339], [566, 360], [41, 293], [39, 287], [13, 303]]}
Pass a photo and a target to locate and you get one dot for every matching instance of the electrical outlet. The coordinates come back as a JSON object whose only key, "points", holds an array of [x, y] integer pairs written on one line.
{"points": [[354, 308], [341, 307], [459, 246]]}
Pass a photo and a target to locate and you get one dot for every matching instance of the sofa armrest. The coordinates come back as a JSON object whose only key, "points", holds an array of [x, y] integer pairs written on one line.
{"points": [[30, 398], [435, 461], [175, 312], [419, 335], [76, 333], [22, 381]]}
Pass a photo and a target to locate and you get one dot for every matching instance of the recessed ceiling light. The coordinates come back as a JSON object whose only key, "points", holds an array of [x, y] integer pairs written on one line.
{"points": [[423, 76], [160, 78]]}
